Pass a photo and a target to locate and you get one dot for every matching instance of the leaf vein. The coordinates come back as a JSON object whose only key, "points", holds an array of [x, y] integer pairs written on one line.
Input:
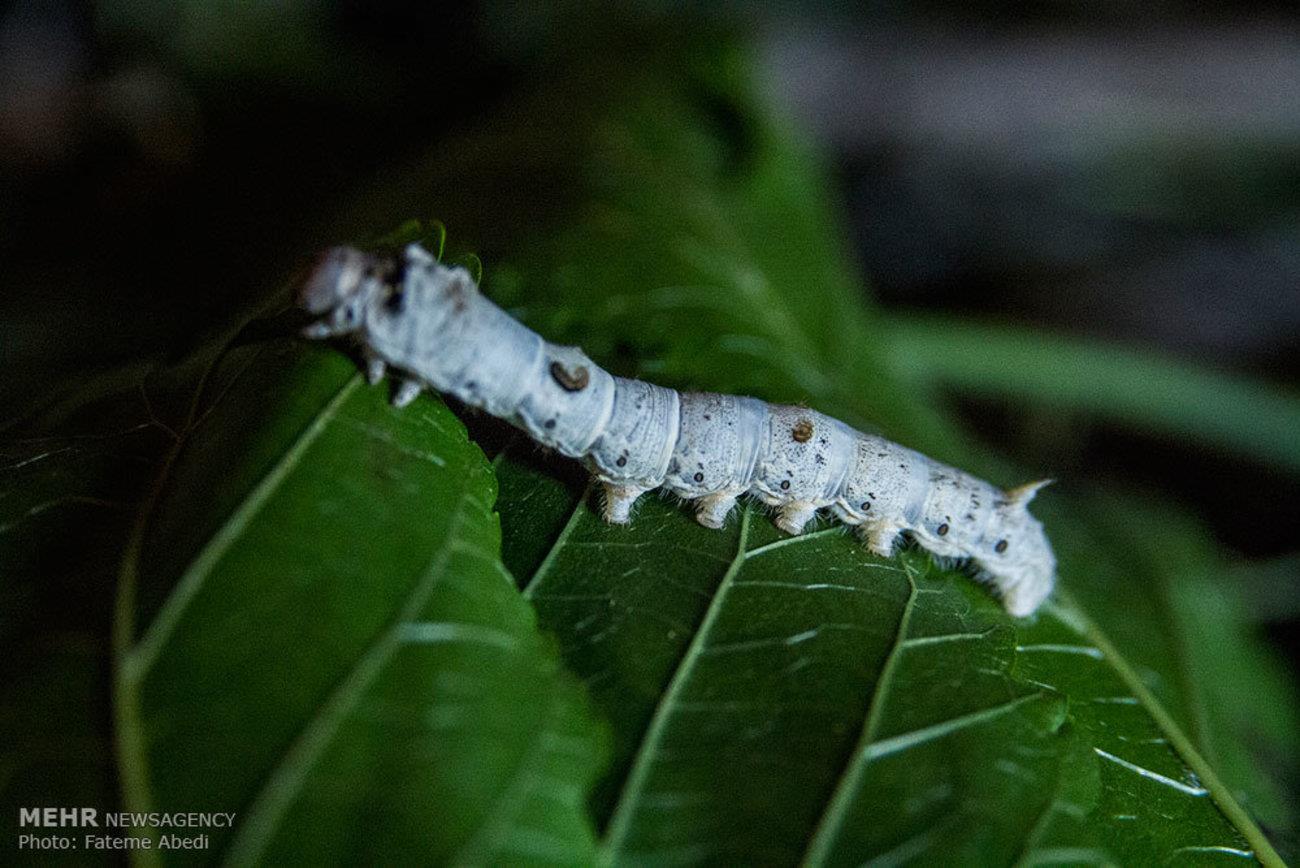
{"points": [[267, 808], [837, 805], [545, 566], [1152, 775], [634, 786]]}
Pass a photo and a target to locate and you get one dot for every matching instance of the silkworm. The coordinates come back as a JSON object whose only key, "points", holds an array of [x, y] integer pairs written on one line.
{"points": [[431, 325]]}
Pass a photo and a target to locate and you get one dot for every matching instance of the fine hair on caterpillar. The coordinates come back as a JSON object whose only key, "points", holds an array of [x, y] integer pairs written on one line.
{"points": [[432, 327]]}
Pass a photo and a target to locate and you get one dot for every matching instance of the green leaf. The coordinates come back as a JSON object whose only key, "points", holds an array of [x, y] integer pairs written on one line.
{"points": [[1230, 696], [314, 630], [1140, 389], [772, 699]]}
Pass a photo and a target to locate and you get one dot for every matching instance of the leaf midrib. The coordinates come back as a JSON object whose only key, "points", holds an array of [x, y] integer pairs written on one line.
{"points": [[629, 795]]}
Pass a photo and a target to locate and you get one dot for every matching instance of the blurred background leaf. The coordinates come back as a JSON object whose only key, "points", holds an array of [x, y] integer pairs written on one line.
{"points": [[1143, 391]]}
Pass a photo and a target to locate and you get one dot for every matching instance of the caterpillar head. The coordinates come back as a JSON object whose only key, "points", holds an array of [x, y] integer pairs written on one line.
{"points": [[1017, 554], [341, 284]]}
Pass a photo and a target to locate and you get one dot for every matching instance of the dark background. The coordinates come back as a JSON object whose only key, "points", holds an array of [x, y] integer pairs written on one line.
{"points": [[1123, 172]]}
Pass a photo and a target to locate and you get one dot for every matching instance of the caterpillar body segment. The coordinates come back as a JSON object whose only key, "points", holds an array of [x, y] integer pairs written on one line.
{"points": [[431, 325]]}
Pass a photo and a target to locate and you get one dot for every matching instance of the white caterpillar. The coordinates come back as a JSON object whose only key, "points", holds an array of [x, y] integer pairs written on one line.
{"points": [[431, 323]]}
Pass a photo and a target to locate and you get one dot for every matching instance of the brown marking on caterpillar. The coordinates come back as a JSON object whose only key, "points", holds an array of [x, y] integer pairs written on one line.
{"points": [[570, 382], [802, 431]]}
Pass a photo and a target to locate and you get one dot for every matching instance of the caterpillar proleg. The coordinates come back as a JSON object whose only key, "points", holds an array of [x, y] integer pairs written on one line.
{"points": [[431, 325]]}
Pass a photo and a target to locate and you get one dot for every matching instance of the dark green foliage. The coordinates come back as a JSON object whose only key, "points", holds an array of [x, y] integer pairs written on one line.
{"points": [[316, 622]]}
